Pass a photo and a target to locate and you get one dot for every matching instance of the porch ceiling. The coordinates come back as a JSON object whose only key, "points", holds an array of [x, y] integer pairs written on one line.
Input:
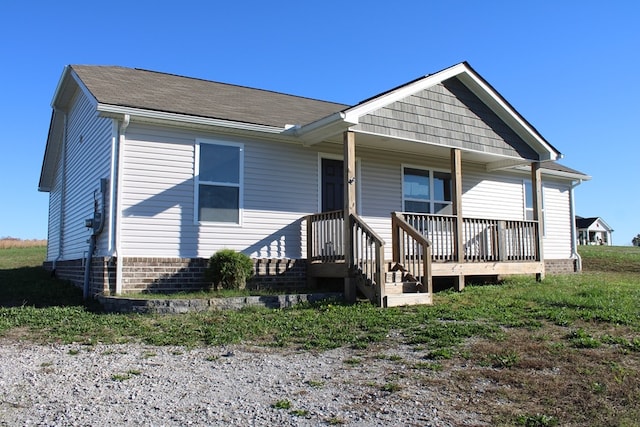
{"points": [[421, 148]]}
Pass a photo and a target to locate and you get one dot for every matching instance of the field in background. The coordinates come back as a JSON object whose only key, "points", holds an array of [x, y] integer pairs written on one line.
{"points": [[12, 242], [562, 352]]}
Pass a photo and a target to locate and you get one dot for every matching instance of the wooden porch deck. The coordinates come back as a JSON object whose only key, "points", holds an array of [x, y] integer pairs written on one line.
{"points": [[424, 246]]}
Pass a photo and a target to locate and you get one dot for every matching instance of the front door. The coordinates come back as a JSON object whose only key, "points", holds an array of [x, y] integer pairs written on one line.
{"points": [[332, 185]]}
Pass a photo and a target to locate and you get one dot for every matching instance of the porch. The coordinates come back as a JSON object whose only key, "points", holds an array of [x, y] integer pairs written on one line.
{"points": [[423, 246]]}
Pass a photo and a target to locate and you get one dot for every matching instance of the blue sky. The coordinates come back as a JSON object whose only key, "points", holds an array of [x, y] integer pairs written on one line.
{"points": [[569, 67]]}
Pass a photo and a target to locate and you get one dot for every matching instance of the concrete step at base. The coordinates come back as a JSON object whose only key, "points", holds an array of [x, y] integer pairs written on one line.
{"points": [[407, 299]]}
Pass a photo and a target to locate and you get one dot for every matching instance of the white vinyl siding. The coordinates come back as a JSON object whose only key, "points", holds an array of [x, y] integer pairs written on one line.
{"points": [[88, 151], [280, 185], [280, 188], [557, 219], [528, 203], [157, 195], [53, 230], [497, 196]]}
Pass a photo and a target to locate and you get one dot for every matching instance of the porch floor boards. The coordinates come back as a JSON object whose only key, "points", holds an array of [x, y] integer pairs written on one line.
{"points": [[441, 269]]}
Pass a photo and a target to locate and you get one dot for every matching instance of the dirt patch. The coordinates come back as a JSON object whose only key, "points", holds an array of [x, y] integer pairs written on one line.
{"points": [[529, 378]]}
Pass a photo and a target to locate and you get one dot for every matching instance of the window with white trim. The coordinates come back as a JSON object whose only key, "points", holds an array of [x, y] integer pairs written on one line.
{"points": [[426, 191], [528, 203], [219, 187]]}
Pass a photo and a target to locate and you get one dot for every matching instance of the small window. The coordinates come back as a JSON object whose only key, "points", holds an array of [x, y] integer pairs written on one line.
{"points": [[219, 182], [426, 191]]}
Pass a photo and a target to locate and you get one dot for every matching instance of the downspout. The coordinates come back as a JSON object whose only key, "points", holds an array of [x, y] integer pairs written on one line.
{"points": [[574, 235], [63, 193], [118, 210], [113, 174], [97, 225]]}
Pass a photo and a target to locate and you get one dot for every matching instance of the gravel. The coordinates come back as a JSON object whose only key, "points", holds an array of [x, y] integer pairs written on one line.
{"points": [[133, 384]]}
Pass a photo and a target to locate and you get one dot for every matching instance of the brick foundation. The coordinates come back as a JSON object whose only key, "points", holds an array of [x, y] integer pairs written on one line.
{"points": [[560, 266], [103, 273], [141, 274]]}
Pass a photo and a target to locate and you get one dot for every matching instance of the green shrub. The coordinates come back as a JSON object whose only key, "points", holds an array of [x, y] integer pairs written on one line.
{"points": [[229, 269]]}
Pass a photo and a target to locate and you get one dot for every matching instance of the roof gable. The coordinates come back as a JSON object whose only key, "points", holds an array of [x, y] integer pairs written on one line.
{"points": [[447, 114], [473, 83]]}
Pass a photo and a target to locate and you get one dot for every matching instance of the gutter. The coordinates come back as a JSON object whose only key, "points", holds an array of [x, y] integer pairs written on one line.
{"points": [[319, 130], [574, 235], [108, 110]]}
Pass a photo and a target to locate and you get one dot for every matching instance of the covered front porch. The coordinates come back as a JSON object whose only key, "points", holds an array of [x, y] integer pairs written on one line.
{"points": [[417, 134], [423, 246]]}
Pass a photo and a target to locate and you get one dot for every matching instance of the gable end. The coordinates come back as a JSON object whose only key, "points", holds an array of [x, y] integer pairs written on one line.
{"points": [[447, 114]]}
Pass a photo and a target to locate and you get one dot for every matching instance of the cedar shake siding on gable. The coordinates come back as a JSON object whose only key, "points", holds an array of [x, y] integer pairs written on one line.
{"points": [[447, 114]]}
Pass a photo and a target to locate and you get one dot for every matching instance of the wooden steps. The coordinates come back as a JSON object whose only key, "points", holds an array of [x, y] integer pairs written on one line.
{"points": [[402, 289]]}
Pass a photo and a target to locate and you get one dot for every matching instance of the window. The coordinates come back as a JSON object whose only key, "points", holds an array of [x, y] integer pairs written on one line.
{"points": [[219, 182], [426, 191], [528, 204]]}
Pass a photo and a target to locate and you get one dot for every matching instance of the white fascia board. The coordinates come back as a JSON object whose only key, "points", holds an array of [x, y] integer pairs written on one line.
{"points": [[61, 84], [479, 87], [322, 129], [110, 110], [607, 226], [353, 114], [66, 89], [497, 104], [560, 174], [319, 130]]}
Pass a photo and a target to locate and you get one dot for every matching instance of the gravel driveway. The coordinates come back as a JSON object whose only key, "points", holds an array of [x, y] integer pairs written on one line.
{"points": [[131, 384]]}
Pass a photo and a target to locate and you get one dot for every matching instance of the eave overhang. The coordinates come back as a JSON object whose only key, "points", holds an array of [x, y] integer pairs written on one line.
{"points": [[573, 176], [52, 152]]}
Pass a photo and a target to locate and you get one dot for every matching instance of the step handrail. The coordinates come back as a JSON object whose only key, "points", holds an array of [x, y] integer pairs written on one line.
{"points": [[367, 252], [412, 250]]}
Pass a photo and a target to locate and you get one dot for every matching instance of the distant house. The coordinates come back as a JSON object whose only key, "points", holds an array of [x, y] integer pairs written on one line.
{"points": [[593, 231], [149, 174]]}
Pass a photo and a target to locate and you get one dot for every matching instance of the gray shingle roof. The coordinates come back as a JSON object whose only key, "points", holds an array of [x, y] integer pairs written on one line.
{"points": [[150, 90], [585, 222]]}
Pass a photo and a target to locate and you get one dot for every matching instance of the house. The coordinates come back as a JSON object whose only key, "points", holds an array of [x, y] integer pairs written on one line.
{"points": [[593, 231], [149, 174]]}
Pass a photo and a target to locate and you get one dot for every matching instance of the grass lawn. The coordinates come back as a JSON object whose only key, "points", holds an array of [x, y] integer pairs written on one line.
{"points": [[562, 352]]}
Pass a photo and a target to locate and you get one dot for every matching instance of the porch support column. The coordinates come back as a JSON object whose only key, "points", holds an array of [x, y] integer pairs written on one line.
{"points": [[456, 189], [349, 146], [536, 187]]}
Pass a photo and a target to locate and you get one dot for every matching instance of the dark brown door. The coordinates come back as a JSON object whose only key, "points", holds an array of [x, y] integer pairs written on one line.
{"points": [[332, 185]]}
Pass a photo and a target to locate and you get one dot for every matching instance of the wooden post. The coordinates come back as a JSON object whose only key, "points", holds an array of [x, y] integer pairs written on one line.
{"points": [[380, 275], [456, 188], [311, 280], [536, 190], [349, 146]]}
